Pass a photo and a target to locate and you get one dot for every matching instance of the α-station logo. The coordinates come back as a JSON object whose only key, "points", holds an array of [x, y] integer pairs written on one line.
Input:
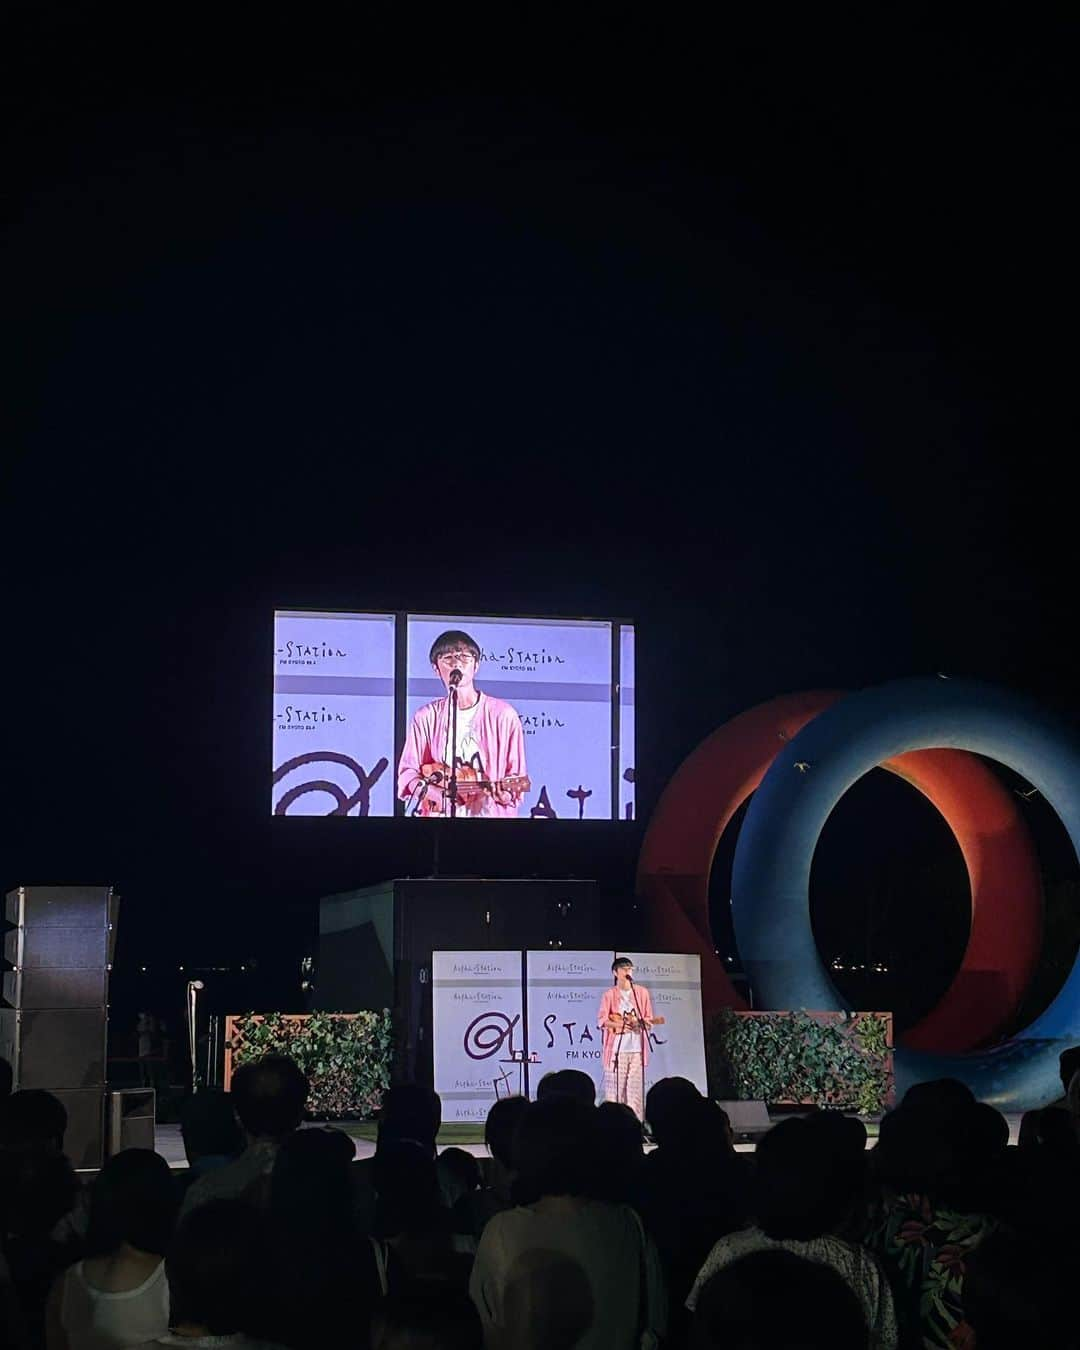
{"points": [[569, 968], [531, 723], [475, 968], [522, 660], [292, 718], [296, 653]]}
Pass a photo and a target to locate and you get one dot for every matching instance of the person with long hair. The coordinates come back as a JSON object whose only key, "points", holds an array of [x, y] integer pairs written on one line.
{"points": [[117, 1295], [563, 1268]]}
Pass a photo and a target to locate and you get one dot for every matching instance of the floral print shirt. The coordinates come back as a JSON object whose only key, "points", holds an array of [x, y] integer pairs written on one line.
{"points": [[925, 1248]]}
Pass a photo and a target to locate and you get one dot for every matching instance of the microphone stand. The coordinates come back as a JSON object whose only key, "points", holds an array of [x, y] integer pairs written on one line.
{"points": [[451, 787], [618, 1043], [192, 1001]]}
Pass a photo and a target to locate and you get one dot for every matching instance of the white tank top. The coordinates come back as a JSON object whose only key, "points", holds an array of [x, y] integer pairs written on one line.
{"points": [[96, 1320]]}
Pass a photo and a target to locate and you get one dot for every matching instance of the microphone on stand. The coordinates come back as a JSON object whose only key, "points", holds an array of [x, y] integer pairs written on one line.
{"points": [[435, 779], [193, 988], [455, 678]]}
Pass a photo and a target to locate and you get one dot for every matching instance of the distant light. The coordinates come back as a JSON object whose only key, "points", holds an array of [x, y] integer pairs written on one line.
{"points": [[180, 967], [142, 967]]}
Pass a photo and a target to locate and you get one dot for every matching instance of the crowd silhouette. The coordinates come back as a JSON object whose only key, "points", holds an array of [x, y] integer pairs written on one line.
{"points": [[577, 1230]]}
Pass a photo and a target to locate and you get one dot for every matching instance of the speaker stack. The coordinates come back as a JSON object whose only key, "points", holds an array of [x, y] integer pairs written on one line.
{"points": [[58, 948]]}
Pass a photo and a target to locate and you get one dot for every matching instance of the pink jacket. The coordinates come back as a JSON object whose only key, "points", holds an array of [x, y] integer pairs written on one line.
{"points": [[609, 1007], [497, 731]]}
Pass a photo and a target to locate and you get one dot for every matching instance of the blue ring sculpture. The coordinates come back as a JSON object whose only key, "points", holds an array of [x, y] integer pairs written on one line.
{"points": [[770, 897]]}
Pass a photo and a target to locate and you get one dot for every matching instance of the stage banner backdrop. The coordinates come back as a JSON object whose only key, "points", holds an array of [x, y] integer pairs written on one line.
{"points": [[563, 992], [477, 1027], [333, 714], [557, 674], [678, 1047]]}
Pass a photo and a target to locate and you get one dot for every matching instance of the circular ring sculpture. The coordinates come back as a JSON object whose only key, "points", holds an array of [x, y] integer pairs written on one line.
{"points": [[699, 802], [771, 874]]}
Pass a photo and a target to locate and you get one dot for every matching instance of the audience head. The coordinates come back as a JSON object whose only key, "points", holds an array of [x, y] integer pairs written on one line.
{"points": [[269, 1095], [500, 1127], [848, 1137], [426, 1320], [618, 1150], [778, 1301], [942, 1099], [37, 1188], [805, 1182], [407, 1195], [309, 1187], [1068, 1065], [671, 1108], [572, 1083], [7, 1078], [687, 1126], [984, 1133], [553, 1146], [410, 1112], [133, 1200], [913, 1154], [1049, 1128], [217, 1268], [950, 1148], [1018, 1292], [720, 1122], [460, 1169], [32, 1120], [208, 1125]]}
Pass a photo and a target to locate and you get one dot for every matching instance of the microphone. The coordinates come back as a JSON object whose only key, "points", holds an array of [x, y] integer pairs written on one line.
{"points": [[629, 979], [455, 678], [196, 984]]}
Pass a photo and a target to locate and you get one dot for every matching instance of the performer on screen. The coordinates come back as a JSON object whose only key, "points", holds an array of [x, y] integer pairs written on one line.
{"points": [[490, 750], [625, 1015]]}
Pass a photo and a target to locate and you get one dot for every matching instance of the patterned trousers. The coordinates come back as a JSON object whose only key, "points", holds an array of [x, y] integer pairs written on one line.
{"points": [[624, 1081]]}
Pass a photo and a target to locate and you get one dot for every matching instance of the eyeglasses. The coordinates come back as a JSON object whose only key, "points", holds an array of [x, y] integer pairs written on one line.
{"points": [[448, 658]]}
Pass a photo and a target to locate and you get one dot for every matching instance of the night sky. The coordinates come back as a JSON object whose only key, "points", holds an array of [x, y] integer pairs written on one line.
{"points": [[762, 340]]}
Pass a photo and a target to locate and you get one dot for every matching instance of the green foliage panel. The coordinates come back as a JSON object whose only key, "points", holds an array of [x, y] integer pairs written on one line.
{"points": [[346, 1058], [840, 1060]]}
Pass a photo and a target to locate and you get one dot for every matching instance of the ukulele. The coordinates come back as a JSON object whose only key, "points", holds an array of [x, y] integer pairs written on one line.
{"points": [[469, 785]]}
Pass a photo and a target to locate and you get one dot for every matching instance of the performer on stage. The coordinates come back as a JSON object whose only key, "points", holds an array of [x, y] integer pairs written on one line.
{"points": [[490, 751], [625, 1015]]}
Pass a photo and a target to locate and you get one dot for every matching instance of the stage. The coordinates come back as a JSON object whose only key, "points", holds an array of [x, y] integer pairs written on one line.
{"points": [[168, 1143]]}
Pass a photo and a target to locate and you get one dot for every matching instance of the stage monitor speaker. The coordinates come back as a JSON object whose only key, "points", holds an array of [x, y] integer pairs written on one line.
{"points": [[375, 944], [84, 1138], [749, 1119], [130, 1118]]}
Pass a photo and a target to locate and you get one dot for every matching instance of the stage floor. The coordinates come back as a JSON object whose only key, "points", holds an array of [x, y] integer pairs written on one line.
{"points": [[168, 1143]]}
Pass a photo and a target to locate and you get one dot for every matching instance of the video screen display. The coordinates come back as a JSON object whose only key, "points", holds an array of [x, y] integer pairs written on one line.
{"points": [[452, 717]]}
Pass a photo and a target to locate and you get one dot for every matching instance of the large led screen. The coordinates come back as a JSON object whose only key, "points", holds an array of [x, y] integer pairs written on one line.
{"points": [[453, 717]]}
